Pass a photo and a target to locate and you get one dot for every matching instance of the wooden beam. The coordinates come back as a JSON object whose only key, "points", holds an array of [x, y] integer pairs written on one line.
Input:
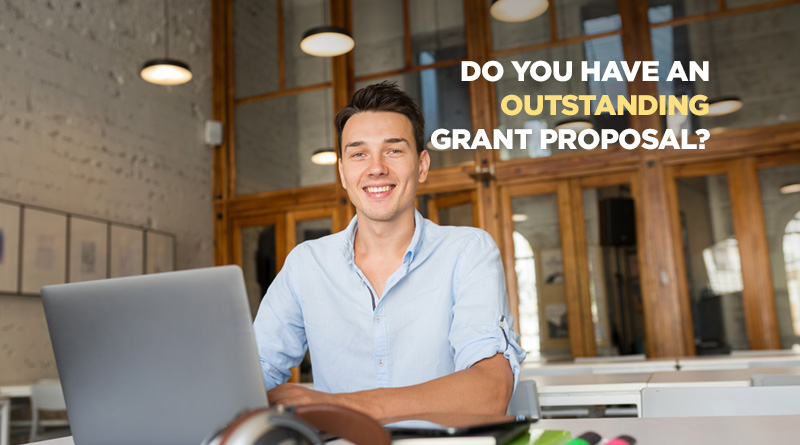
{"points": [[758, 295], [664, 307], [578, 345], [581, 266], [219, 111], [482, 114]]}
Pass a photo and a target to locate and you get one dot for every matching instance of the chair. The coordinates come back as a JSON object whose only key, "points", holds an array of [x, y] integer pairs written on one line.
{"points": [[525, 400], [715, 401], [775, 380], [47, 396]]}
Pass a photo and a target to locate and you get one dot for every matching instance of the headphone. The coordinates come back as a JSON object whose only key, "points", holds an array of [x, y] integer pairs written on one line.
{"points": [[300, 426]]}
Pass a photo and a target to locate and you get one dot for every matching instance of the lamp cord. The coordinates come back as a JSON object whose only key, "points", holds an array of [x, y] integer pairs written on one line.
{"points": [[166, 29]]}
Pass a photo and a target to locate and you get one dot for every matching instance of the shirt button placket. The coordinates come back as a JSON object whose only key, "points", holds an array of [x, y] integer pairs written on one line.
{"points": [[381, 347]]}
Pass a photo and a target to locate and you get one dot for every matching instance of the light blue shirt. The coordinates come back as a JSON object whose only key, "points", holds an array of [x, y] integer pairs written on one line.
{"points": [[442, 311]]}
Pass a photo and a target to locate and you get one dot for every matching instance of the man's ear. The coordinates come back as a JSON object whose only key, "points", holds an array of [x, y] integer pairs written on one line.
{"points": [[341, 174], [424, 165]]}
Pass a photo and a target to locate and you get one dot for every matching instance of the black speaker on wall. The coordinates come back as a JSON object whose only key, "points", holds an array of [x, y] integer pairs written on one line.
{"points": [[617, 222]]}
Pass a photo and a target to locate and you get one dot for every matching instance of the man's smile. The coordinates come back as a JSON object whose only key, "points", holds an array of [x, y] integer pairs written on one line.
{"points": [[379, 191]]}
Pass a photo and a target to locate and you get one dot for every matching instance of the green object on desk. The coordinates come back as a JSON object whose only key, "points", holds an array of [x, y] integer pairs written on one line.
{"points": [[549, 437]]}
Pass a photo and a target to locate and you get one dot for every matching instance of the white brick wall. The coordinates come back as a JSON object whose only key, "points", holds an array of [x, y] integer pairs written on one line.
{"points": [[81, 132]]}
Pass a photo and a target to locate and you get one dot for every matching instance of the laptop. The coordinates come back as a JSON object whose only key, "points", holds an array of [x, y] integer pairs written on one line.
{"points": [[154, 359]]}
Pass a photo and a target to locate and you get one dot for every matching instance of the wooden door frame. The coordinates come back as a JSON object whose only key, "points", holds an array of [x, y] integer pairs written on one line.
{"points": [[748, 224]]}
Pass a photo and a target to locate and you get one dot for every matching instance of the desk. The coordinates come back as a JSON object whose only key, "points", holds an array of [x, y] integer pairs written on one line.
{"points": [[710, 378], [736, 362], [591, 389], [598, 367], [6, 393], [664, 431]]}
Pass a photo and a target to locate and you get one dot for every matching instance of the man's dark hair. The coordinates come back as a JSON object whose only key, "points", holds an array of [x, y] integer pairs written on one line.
{"points": [[384, 96]]}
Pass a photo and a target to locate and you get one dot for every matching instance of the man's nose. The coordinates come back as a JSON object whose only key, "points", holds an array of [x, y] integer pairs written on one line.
{"points": [[377, 166]]}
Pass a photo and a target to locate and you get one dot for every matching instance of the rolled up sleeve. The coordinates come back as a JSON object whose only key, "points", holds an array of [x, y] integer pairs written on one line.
{"points": [[279, 328], [482, 324]]}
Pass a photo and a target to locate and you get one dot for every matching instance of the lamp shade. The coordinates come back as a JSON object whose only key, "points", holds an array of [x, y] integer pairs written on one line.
{"points": [[724, 105], [166, 72], [517, 10], [574, 124], [327, 41], [324, 156], [790, 188]]}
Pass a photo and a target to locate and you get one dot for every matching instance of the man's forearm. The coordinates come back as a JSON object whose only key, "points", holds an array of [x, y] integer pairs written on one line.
{"points": [[484, 388]]}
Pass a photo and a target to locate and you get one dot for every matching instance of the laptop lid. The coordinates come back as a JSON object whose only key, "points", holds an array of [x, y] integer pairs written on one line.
{"points": [[154, 359]]}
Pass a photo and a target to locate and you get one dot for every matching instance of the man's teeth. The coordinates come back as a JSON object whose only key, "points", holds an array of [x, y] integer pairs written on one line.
{"points": [[385, 188]]}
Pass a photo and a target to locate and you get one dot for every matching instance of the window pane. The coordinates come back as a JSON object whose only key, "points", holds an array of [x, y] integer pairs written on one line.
{"points": [[437, 30], [782, 222], [540, 276], [312, 229], [258, 262], [752, 56], [586, 17], [378, 32], [255, 47], [713, 268], [617, 313], [601, 50], [444, 100], [665, 10], [302, 69], [731, 4], [275, 139], [452, 209]]}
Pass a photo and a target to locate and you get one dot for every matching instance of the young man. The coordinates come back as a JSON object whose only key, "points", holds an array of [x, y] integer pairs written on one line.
{"points": [[401, 316]]}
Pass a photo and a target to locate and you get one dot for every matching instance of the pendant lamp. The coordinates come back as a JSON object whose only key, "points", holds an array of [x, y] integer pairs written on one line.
{"points": [[574, 124], [517, 10], [724, 105], [324, 156], [327, 41], [720, 105], [166, 71]]}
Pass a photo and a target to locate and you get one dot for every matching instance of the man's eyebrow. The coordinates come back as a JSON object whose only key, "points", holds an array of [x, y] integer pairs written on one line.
{"points": [[396, 140], [354, 144]]}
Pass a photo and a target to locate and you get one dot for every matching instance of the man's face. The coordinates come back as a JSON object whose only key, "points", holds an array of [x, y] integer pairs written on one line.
{"points": [[380, 167]]}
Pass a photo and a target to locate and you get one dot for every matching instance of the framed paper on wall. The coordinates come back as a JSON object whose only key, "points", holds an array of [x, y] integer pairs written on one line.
{"points": [[126, 251], [160, 252], [88, 249], [9, 248], [44, 249]]}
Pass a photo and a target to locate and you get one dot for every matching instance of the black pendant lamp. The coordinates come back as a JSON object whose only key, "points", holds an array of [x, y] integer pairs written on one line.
{"points": [[166, 71], [327, 41]]}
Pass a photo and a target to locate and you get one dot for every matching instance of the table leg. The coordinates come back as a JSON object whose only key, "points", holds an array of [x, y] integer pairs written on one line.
{"points": [[5, 418]]}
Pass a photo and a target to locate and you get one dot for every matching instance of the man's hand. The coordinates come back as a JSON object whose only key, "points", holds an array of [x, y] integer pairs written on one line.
{"points": [[290, 394]]}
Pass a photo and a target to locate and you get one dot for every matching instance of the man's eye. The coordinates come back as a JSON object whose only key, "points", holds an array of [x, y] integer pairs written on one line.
{"points": [[395, 151], [358, 155]]}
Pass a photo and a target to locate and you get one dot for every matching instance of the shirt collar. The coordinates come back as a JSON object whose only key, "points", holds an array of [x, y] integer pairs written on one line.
{"points": [[348, 249]]}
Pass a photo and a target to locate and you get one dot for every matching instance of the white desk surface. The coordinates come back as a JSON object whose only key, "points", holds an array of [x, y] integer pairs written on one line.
{"points": [[734, 362], [713, 377], [15, 391], [546, 384], [665, 431], [529, 369]]}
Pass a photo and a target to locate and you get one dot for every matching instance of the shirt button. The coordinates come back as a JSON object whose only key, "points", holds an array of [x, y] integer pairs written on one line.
{"points": [[380, 362], [377, 319]]}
